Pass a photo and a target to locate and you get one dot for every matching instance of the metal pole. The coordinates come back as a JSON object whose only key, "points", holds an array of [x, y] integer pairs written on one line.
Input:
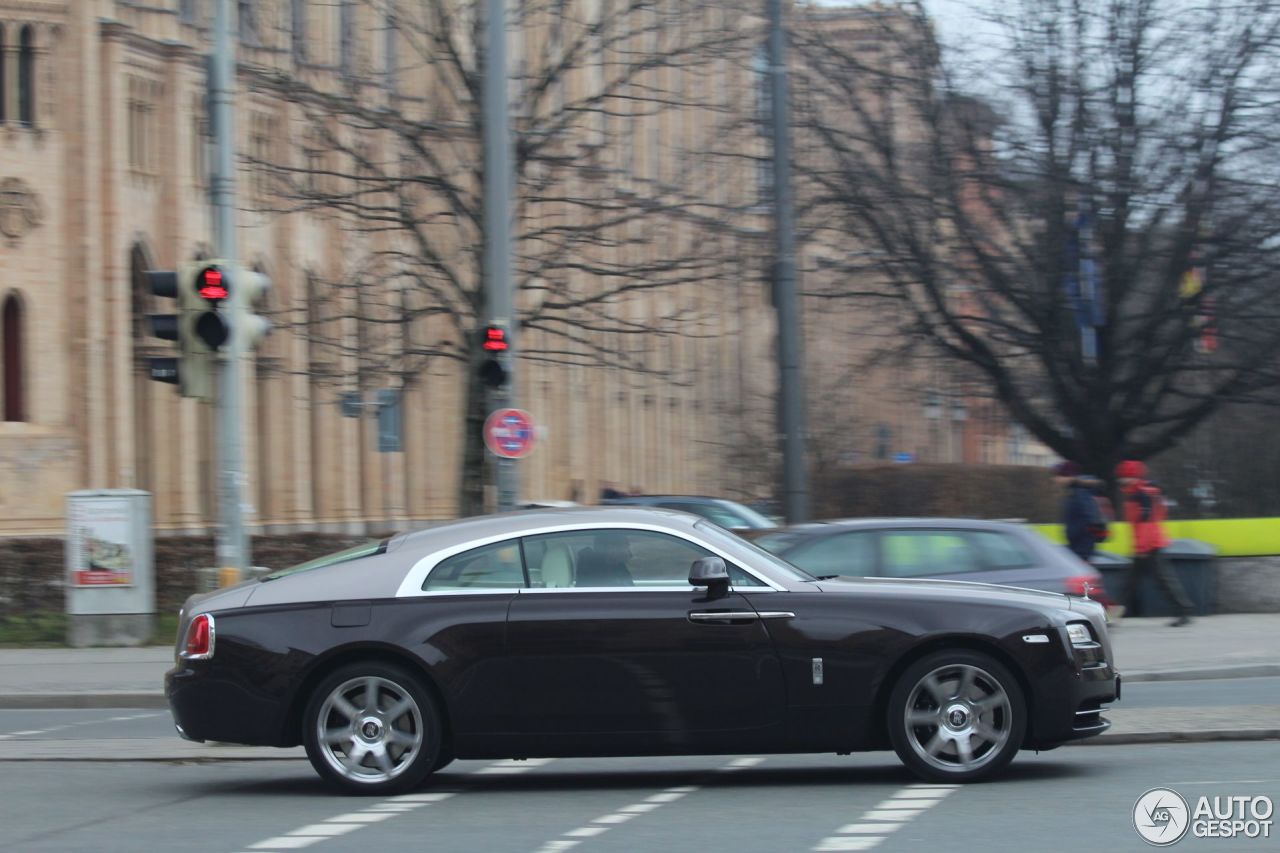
{"points": [[233, 545], [498, 177], [790, 369]]}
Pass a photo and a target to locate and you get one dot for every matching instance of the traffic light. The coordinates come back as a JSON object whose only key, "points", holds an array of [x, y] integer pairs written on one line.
{"points": [[164, 326], [250, 286], [205, 322], [493, 345], [191, 370]]}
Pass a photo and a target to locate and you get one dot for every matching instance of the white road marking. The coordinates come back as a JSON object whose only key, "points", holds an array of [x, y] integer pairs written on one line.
{"points": [[342, 824], [846, 843], [361, 817], [382, 810], [285, 842], [879, 823], [327, 830], [604, 823], [512, 767]]}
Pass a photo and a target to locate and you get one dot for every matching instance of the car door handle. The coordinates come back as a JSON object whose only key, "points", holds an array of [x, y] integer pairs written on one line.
{"points": [[722, 617]]}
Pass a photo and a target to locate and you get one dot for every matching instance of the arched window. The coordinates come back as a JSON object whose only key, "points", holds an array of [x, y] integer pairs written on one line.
{"points": [[11, 340], [3, 62], [27, 77]]}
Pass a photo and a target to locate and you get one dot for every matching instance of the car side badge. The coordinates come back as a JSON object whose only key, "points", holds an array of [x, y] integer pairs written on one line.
{"points": [[817, 670]]}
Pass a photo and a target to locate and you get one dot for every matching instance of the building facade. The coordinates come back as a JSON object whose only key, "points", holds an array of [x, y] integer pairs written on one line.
{"points": [[104, 156], [661, 385]]}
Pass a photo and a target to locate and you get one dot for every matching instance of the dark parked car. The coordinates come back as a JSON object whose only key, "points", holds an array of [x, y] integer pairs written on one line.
{"points": [[595, 632], [956, 549], [730, 515]]}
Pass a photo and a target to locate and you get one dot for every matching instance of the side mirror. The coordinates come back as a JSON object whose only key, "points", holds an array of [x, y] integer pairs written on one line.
{"points": [[712, 573]]}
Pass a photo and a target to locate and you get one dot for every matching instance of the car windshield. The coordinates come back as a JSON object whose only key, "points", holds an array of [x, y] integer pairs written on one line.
{"points": [[776, 543], [366, 549], [723, 538], [744, 516]]}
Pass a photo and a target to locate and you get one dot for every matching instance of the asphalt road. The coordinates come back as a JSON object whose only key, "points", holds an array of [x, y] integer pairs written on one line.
{"points": [[1068, 799]]}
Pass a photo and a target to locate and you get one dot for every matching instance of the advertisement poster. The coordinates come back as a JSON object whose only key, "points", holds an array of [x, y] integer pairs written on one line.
{"points": [[100, 536]]}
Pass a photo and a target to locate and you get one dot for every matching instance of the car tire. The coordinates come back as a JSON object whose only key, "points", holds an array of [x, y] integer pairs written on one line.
{"points": [[372, 728], [956, 716]]}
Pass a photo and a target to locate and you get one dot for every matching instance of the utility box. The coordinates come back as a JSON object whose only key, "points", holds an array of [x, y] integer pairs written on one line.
{"points": [[110, 570]]}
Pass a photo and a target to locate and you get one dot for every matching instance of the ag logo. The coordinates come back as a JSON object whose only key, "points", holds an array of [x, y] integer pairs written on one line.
{"points": [[1161, 817]]}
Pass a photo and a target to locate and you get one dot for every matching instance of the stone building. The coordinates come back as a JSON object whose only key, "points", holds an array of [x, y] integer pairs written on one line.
{"points": [[104, 156], [104, 161]]}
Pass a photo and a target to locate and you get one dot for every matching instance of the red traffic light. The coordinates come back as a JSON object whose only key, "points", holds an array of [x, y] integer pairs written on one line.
{"points": [[495, 339], [211, 284]]}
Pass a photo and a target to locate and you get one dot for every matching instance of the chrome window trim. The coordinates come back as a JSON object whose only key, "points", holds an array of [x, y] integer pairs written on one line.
{"points": [[682, 589], [462, 590], [411, 585]]}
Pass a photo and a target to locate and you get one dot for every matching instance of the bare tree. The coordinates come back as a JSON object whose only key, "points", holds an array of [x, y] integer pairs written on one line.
{"points": [[1083, 209], [618, 212]]}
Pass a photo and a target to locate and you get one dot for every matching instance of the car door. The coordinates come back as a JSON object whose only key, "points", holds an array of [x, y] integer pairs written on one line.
{"points": [[1007, 560], [610, 638]]}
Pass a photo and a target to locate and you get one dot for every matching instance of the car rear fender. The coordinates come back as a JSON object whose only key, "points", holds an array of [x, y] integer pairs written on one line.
{"points": [[291, 725]]}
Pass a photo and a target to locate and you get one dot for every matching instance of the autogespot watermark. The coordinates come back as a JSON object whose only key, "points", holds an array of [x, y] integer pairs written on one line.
{"points": [[1163, 817]]}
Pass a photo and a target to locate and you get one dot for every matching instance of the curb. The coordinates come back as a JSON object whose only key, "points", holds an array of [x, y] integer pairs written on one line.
{"points": [[1248, 670], [67, 701]]}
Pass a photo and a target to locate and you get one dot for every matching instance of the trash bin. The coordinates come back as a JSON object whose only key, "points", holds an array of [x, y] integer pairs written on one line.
{"points": [[1115, 571], [1191, 562]]}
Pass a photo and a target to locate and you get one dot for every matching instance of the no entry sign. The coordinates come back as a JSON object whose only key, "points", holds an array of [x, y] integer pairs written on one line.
{"points": [[508, 433]]}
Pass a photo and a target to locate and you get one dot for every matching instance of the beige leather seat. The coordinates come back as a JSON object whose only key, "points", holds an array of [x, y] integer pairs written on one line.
{"points": [[557, 568]]}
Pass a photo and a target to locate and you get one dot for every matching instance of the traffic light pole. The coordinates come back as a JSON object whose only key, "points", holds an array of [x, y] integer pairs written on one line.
{"points": [[790, 368], [498, 176], [233, 544]]}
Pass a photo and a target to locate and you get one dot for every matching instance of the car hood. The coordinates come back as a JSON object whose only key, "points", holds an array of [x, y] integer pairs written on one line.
{"points": [[949, 590]]}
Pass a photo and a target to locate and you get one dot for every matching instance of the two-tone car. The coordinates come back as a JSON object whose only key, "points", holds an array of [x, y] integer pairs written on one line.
{"points": [[627, 632]]}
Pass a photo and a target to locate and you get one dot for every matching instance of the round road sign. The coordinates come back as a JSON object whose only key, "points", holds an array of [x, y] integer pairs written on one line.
{"points": [[509, 433]]}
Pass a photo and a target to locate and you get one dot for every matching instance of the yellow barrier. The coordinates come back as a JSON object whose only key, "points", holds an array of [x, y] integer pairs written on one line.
{"points": [[229, 576], [1232, 537]]}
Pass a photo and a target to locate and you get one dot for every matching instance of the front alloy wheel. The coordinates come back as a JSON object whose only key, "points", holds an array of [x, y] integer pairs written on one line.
{"points": [[371, 729], [956, 716]]}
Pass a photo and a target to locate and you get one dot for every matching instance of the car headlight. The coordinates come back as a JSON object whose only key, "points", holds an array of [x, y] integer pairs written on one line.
{"points": [[1079, 634]]}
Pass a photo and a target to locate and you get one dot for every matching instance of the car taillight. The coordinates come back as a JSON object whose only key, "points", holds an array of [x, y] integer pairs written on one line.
{"points": [[1077, 585], [200, 638]]}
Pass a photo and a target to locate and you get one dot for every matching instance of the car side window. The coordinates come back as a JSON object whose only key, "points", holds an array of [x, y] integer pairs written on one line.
{"points": [[852, 554], [923, 553], [1003, 550], [615, 558], [496, 566]]}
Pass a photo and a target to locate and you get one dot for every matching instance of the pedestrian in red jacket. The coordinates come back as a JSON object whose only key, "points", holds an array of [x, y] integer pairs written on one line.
{"points": [[1144, 509]]}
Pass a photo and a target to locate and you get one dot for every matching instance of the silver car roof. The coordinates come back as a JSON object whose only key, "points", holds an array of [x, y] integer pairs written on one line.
{"points": [[451, 533], [381, 575]]}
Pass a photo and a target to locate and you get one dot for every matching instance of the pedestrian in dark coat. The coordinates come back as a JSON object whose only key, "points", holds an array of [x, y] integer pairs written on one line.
{"points": [[1081, 516], [1144, 509]]}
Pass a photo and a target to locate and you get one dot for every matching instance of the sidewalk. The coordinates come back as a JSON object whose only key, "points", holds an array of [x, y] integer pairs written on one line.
{"points": [[1228, 646]]}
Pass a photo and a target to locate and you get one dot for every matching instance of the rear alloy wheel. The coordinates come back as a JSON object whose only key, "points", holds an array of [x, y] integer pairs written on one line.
{"points": [[372, 728], [956, 716]]}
